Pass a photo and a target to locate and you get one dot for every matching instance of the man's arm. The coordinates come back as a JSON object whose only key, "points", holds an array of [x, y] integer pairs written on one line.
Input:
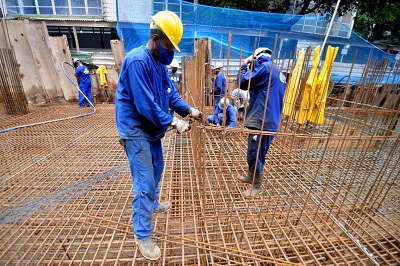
{"points": [[258, 73], [215, 116], [143, 97], [231, 112], [175, 101], [76, 73], [218, 84]]}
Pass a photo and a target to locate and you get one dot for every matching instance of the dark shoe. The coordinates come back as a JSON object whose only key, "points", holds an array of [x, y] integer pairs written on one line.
{"points": [[163, 207], [256, 188], [246, 179], [149, 248]]}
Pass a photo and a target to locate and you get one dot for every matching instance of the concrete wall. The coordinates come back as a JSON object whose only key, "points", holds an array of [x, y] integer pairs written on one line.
{"points": [[40, 59], [109, 10], [104, 94], [60, 53], [31, 80], [3, 39], [38, 41]]}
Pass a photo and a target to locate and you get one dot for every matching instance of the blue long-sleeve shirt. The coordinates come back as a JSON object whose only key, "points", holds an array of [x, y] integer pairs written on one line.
{"points": [[258, 93], [142, 98], [230, 116], [83, 74], [220, 84]]}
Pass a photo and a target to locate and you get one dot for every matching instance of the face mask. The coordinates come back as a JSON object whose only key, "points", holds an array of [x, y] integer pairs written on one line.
{"points": [[165, 56]]}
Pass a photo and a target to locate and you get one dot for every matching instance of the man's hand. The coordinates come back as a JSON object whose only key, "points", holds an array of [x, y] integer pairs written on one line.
{"points": [[195, 114], [180, 125], [250, 59]]}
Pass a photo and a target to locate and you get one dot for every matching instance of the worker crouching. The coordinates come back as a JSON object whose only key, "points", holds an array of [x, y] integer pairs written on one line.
{"points": [[217, 117]]}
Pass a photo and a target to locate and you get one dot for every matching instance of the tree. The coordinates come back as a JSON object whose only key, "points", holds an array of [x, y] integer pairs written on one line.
{"points": [[282, 6], [378, 20]]}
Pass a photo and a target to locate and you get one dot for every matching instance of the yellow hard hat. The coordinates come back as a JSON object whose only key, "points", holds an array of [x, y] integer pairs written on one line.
{"points": [[171, 25]]}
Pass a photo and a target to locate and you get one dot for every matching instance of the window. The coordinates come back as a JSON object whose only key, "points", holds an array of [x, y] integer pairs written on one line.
{"points": [[55, 7], [44, 3], [93, 3], [46, 10], [88, 37], [29, 7], [181, 8]]}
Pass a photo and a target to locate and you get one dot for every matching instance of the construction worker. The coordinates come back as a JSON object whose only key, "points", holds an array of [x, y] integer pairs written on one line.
{"points": [[216, 119], [175, 78], [219, 83], [240, 100], [266, 88], [85, 85], [143, 95], [174, 75]]}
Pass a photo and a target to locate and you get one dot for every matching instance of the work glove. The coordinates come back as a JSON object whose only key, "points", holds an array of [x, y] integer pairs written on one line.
{"points": [[195, 113], [180, 125]]}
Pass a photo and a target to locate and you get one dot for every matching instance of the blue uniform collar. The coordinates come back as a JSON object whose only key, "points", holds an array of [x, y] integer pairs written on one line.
{"points": [[264, 58]]}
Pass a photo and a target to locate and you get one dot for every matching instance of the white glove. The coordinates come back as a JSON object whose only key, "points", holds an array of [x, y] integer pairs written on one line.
{"points": [[180, 125], [195, 113]]}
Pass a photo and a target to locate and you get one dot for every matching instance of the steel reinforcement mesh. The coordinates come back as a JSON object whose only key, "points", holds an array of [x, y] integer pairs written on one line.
{"points": [[66, 197]]}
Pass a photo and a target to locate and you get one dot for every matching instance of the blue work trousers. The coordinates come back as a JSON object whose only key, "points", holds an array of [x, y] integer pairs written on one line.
{"points": [[87, 90], [252, 148], [147, 164]]}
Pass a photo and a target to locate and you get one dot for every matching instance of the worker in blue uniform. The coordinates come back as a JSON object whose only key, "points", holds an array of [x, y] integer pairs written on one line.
{"points": [[218, 115], [85, 85], [143, 96], [267, 87], [219, 83]]}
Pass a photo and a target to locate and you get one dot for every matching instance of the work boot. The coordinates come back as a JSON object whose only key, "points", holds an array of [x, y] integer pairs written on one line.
{"points": [[149, 248], [246, 179], [163, 207], [256, 188]]}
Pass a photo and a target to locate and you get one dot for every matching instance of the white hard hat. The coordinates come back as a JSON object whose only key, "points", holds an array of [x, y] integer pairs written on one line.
{"points": [[76, 60], [222, 102], [174, 63], [263, 51], [219, 65]]}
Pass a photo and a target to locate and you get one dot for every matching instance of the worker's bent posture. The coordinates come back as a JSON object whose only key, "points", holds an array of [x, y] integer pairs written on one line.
{"points": [[264, 86], [230, 116], [143, 96]]}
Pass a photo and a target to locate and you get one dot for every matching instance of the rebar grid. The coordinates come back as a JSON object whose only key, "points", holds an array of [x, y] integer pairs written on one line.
{"points": [[330, 195], [69, 202], [324, 182], [297, 217], [11, 91]]}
